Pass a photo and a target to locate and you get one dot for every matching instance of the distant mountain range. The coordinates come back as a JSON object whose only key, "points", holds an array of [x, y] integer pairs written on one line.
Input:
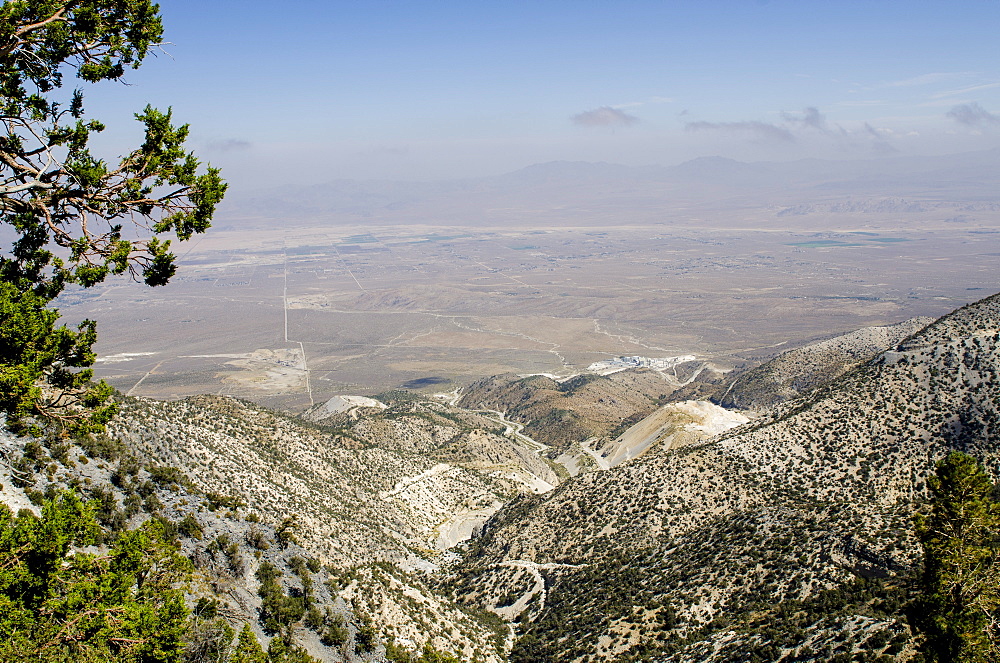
{"points": [[582, 193]]}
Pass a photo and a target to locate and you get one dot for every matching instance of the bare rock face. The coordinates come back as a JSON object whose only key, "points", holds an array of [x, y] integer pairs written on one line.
{"points": [[796, 372], [338, 405], [670, 427]]}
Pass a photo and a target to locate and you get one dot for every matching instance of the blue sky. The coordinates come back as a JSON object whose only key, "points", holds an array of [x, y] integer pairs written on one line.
{"points": [[309, 91]]}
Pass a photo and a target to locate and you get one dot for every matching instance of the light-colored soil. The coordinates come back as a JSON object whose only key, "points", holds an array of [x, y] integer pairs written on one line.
{"points": [[670, 427], [340, 405], [462, 525], [278, 370]]}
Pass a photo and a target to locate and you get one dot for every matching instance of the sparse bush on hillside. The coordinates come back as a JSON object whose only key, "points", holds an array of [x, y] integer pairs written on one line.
{"points": [[220, 501], [248, 649], [208, 640], [366, 637], [168, 477], [578, 382], [282, 649], [334, 633], [256, 538], [279, 611], [190, 527], [285, 532], [101, 445], [428, 654]]}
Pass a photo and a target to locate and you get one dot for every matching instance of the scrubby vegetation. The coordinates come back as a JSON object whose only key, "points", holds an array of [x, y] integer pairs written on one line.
{"points": [[58, 603], [789, 539]]}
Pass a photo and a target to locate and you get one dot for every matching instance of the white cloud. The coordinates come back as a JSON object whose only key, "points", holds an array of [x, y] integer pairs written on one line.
{"points": [[605, 116], [810, 118], [927, 79], [965, 90]]}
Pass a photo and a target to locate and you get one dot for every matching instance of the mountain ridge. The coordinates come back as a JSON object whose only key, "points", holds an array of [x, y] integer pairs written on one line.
{"points": [[788, 538], [591, 189], [816, 473]]}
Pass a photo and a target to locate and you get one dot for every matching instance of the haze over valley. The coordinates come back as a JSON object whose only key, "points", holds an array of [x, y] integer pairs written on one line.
{"points": [[547, 270], [471, 332]]}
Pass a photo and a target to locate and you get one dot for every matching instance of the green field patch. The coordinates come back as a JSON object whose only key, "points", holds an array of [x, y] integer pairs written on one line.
{"points": [[367, 238], [441, 238], [822, 243]]}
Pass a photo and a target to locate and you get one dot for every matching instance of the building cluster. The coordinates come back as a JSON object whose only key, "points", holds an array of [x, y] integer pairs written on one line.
{"points": [[656, 363]]}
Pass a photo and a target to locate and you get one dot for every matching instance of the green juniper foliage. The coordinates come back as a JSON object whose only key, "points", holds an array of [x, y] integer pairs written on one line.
{"points": [[248, 649], [79, 218], [58, 605], [429, 654], [31, 345], [959, 604]]}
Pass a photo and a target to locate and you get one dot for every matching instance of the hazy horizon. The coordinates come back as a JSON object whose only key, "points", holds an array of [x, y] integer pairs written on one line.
{"points": [[449, 168], [428, 91]]}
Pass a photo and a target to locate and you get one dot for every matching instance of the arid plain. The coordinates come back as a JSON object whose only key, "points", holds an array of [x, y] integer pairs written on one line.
{"points": [[358, 287], [292, 315]]}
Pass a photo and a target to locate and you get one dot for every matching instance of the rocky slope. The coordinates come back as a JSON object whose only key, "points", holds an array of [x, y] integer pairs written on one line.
{"points": [[479, 522], [698, 553], [226, 543], [561, 413], [797, 372], [374, 489], [372, 504]]}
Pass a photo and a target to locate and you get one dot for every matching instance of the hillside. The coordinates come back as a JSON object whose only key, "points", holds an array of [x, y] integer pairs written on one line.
{"points": [[372, 504], [561, 413], [686, 555], [528, 519], [375, 489], [796, 372]]}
